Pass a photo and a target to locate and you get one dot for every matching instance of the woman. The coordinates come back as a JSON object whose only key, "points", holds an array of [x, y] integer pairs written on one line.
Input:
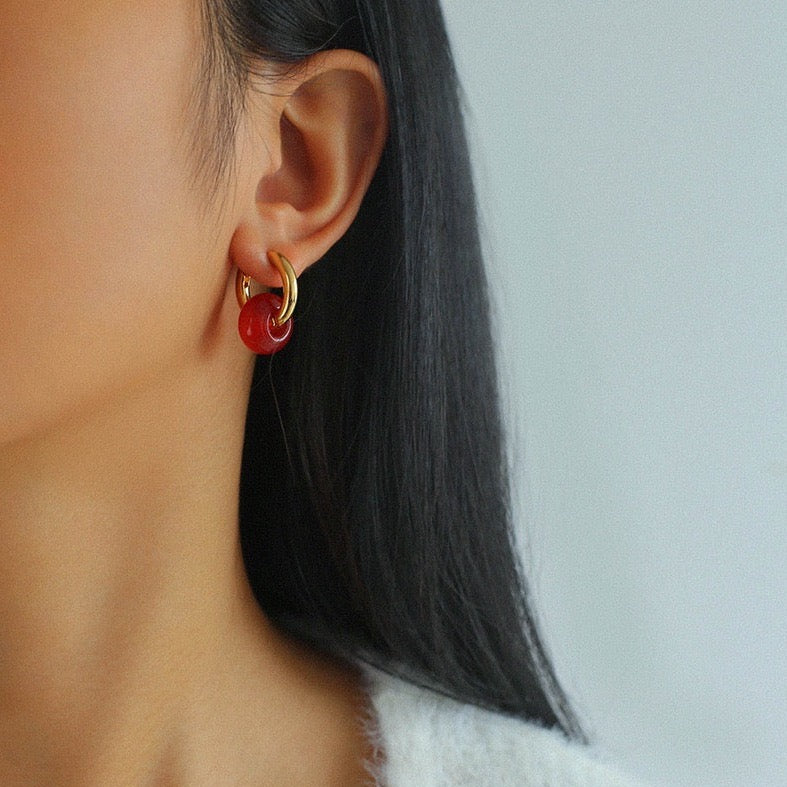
{"points": [[161, 162]]}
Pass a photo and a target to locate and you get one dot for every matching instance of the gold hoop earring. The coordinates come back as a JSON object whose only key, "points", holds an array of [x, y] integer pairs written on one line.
{"points": [[265, 320]]}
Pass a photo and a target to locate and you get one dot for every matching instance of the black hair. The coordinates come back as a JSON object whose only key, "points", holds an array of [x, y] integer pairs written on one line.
{"points": [[374, 505]]}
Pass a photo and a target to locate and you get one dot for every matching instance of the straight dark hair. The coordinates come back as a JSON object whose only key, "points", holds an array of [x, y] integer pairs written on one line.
{"points": [[374, 505]]}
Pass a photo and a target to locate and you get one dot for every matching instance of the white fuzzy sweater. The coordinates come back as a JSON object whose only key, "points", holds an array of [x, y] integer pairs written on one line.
{"points": [[431, 741]]}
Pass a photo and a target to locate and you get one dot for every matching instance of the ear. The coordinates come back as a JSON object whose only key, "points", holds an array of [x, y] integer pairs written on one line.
{"points": [[324, 138]]}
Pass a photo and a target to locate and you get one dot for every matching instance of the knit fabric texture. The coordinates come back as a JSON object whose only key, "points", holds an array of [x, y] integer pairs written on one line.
{"points": [[424, 739]]}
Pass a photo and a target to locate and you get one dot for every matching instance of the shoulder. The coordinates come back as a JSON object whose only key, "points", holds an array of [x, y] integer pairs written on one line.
{"points": [[431, 740]]}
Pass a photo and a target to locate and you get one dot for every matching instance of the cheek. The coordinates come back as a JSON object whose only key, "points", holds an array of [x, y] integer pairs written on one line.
{"points": [[101, 236]]}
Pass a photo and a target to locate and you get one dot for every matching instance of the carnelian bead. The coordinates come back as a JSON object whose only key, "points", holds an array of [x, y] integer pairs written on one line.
{"points": [[257, 326]]}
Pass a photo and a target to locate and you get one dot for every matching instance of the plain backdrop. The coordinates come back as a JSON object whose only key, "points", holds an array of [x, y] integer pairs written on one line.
{"points": [[632, 168]]}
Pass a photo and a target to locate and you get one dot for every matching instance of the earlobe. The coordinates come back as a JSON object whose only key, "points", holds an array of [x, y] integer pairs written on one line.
{"points": [[328, 140]]}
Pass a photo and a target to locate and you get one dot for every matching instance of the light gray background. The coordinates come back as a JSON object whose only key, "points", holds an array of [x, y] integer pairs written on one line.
{"points": [[632, 165]]}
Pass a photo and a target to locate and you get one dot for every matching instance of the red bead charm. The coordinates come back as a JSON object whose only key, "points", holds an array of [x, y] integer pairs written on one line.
{"points": [[257, 324]]}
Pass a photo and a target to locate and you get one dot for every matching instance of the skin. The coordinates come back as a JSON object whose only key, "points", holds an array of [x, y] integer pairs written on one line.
{"points": [[131, 650]]}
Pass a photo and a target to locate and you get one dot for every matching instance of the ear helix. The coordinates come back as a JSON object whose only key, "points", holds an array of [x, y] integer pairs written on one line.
{"points": [[265, 320]]}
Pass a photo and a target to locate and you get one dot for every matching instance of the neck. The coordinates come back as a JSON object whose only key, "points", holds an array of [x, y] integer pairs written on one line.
{"points": [[131, 648], [121, 574]]}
